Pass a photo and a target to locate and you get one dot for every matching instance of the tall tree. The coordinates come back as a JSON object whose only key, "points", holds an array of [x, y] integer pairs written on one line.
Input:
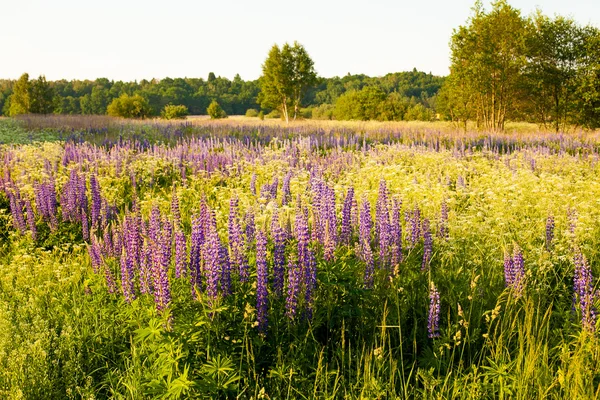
{"points": [[41, 97], [287, 74], [488, 56], [556, 52], [19, 101]]}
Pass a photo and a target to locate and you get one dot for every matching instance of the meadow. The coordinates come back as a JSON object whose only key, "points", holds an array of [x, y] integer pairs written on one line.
{"points": [[253, 260]]}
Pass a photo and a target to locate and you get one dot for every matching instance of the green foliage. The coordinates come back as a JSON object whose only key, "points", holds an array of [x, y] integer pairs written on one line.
{"points": [[20, 100], [251, 113], [126, 106], [275, 114], [287, 74], [323, 112], [215, 111], [261, 115], [174, 112]]}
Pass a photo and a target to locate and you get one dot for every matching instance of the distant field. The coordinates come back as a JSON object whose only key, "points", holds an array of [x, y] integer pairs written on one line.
{"points": [[83, 122]]}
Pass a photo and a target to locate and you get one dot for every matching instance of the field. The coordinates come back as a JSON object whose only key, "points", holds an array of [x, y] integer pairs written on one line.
{"points": [[247, 259]]}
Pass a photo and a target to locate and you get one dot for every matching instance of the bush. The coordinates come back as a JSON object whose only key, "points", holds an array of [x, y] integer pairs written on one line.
{"points": [[261, 115], [251, 112], [127, 106], [273, 114], [306, 113], [174, 112], [215, 111], [324, 111]]}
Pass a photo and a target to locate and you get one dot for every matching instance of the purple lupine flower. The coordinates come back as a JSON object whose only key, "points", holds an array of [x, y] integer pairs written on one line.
{"points": [[212, 247], [225, 270], [250, 229], [95, 257], [443, 229], [303, 237], [85, 226], [354, 218], [584, 293], [286, 195], [519, 272], [508, 270], [278, 254], [107, 244], [366, 223], [166, 242], [310, 282], [514, 272], [146, 267], [31, 219], [346, 232], [261, 281], [367, 256], [180, 253], [236, 246], [433, 320], [175, 208], [160, 280], [427, 244], [196, 247], [415, 223], [329, 222], [293, 288], [96, 201], [16, 210], [382, 223], [110, 280], [396, 233], [549, 231], [253, 184], [127, 278]]}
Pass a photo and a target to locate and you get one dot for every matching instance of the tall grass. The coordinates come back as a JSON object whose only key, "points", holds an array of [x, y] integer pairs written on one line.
{"points": [[63, 335]]}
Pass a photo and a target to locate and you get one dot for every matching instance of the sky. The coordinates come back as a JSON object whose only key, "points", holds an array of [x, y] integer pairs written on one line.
{"points": [[133, 40]]}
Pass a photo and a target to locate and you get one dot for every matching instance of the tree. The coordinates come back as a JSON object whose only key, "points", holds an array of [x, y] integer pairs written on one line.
{"points": [[19, 101], [41, 97], [488, 57], [556, 50], [287, 74], [215, 111], [126, 106]]}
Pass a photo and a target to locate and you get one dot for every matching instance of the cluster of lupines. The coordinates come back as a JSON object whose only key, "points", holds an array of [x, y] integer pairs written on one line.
{"points": [[269, 191], [46, 203], [514, 271], [584, 293]]}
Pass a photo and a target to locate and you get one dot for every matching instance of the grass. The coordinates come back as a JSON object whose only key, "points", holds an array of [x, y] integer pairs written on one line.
{"points": [[63, 335]]}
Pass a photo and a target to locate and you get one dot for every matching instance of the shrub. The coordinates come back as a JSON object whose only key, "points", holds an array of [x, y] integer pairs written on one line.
{"points": [[251, 112], [306, 113], [215, 111], [127, 106], [174, 112], [324, 111], [261, 115], [273, 114]]}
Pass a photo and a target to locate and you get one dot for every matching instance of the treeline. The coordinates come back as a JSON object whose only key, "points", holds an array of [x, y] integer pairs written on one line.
{"points": [[505, 66], [328, 99]]}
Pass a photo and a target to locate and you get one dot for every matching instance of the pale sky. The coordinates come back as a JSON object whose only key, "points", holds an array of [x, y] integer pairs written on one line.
{"points": [[135, 39]]}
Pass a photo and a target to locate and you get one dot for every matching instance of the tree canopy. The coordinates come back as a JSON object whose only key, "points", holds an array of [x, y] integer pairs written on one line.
{"points": [[287, 74]]}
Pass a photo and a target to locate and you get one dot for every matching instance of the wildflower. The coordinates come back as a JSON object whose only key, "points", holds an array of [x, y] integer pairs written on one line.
{"points": [[433, 320], [262, 281], [427, 245]]}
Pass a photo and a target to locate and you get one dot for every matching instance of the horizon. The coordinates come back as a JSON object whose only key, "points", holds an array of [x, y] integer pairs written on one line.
{"points": [[385, 38]]}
